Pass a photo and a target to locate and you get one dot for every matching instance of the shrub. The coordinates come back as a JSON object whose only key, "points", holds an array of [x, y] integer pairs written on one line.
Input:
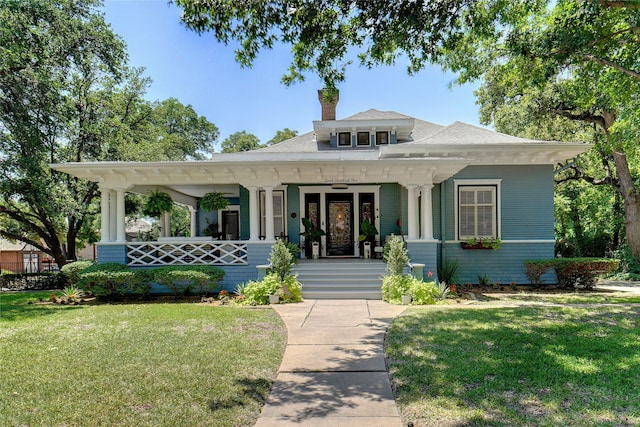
{"points": [[442, 291], [203, 279], [396, 256], [394, 286], [572, 272], [114, 280], [72, 294], [257, 292], [71, 270], [281, 260], [447, 273]]}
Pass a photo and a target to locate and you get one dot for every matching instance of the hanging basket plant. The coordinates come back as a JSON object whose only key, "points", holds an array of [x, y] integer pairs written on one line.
{"points": [[213, 201], [156, 203]]}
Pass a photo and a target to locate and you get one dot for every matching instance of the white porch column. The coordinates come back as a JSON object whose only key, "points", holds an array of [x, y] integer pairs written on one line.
{"points": [[105, 222], [167, 224], [412, 212], [427, 212], [113, 214], [193, 229], [268, 213], [120, 226], [254, 223]]}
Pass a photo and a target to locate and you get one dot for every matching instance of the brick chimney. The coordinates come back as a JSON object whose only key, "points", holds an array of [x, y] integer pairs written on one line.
{"points": [[328, 105]]}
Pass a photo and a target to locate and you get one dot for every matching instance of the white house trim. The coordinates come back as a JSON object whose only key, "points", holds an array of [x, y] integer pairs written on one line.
{"points": [[477, 182]]}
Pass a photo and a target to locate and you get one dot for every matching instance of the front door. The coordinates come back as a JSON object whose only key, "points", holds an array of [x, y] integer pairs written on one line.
{"points": [[230, 225], [340, 236]]}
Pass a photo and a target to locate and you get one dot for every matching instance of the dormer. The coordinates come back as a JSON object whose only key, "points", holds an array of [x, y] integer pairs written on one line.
{"points": [[363, 133]]}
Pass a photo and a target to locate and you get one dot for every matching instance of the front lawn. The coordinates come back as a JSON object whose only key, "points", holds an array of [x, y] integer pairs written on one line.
{"points": [[135, 364], [531, 366]]}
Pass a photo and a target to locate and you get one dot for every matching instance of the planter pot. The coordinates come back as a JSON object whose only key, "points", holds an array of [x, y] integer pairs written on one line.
{"points": [[465, 245], [274, 299], [406, 299], [315, 250]]}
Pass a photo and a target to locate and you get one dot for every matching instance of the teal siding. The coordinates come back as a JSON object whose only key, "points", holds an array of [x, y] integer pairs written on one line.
{"points": [[526, 200], [504, 265], [389, 209], [112, 253], [293, 205], [244, 214], [424, 253]]}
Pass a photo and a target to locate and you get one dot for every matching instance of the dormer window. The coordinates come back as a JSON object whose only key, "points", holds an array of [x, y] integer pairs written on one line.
{"points": [[382, 138], [363, 139], [344, 139]]}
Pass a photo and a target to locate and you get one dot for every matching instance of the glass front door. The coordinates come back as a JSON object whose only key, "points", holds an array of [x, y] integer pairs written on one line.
{"points": [[340, 238]]}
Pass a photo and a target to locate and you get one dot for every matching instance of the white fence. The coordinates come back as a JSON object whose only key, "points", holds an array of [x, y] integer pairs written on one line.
{"points": [[187, 253]]}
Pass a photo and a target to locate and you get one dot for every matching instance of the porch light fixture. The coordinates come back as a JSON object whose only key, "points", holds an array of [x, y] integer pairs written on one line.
{"points": [[339, 186]]}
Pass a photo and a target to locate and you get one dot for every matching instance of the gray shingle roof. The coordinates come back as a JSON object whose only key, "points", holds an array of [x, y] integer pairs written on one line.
{"points": [[423, 133]]}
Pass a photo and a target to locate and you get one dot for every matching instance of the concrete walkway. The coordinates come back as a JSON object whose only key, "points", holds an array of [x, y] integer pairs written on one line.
{"points": [[333, 372]]}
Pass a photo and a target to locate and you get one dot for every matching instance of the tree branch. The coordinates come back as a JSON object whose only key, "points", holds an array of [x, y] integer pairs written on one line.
{"points": [[626, 71]]}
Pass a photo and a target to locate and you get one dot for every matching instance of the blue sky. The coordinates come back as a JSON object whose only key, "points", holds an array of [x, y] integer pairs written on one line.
{"points": [[198, 70]]}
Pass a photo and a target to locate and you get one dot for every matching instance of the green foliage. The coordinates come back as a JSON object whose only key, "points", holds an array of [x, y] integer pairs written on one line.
{"points": [[484, 281], [282, 135], [72, 294], [239, 142], [396, 256], [295, 250], [447, 272], [442, 291], [156, 203], [397, 285], [257, 292], [311, 233], [181, 279], [368, 231], [113, 280], [72, 269], [571, 272], [483, 242], [213, 201], [281, 260]]}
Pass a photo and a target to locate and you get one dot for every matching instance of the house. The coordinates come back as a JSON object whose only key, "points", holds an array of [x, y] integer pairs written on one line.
{"points": [[19, 257], [436, 186]]}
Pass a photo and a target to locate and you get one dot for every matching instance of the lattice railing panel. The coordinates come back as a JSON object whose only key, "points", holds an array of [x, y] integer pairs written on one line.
{"points": [[186, 253]]}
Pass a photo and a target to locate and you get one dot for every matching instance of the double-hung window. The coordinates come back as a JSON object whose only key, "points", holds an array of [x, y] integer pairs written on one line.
{"points": [[477, 210], [278, 214]]}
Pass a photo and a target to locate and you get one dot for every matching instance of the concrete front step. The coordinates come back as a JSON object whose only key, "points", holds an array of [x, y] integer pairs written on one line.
{"points": [[341, 279]]}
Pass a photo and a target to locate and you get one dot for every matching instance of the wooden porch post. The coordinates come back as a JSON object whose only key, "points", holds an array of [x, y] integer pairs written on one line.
{"points": [[412, 212], [120, 225], [268, 213], [427, 212], [193, 229], [113, 213], [254, 225], [104, 215]]}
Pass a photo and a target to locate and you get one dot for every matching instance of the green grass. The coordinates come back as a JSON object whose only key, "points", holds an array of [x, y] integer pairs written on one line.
{"points": [[135, 364], [531, 366], [571, 298]]}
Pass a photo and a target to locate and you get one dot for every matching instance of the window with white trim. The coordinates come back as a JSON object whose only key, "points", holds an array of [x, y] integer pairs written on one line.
{"points": [[278, 214], [477, 211], [382, 138], [344, 139], [363, 139]]}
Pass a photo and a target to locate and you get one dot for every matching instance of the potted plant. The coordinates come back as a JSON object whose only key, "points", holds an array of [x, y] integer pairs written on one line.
{"points": [[368, 236], [157, 202], [213, 201], [311, 235]]}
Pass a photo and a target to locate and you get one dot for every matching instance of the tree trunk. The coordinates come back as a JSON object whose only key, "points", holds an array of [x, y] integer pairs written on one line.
{"points": [[631, 203]]}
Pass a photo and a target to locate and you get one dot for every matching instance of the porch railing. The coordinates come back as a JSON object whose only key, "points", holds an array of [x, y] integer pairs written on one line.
{"points": [[187, 253]]}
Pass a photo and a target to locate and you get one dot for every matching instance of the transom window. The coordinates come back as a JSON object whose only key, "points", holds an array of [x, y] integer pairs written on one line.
{"points": [[344, 139], [382, 138], [477, 211], [363, 138]]}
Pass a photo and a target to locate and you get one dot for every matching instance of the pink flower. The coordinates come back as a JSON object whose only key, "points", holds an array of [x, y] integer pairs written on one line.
{"points": [[429, 274]]}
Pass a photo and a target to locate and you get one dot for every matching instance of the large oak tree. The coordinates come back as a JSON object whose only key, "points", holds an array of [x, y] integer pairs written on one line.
{"points": [[66, 94]]}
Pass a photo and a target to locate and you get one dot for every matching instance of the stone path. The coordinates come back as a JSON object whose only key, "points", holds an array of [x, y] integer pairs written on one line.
{"points": [[333, 372]]}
